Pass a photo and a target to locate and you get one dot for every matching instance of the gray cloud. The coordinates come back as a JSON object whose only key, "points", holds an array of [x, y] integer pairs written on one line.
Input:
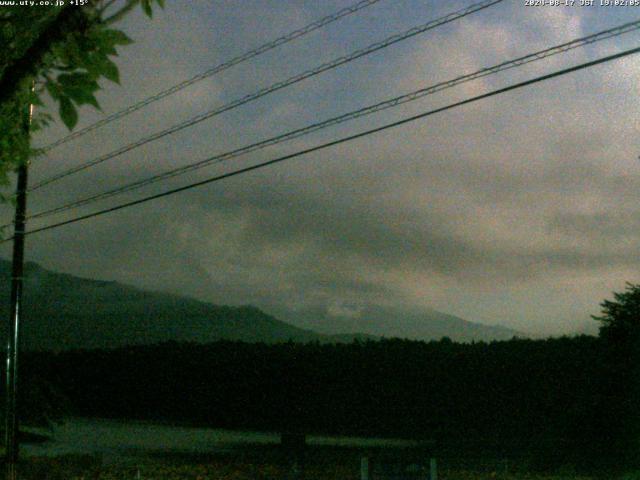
{"points": [[520, 209]]}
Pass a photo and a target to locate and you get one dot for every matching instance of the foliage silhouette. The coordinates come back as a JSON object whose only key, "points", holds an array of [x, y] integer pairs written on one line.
{"points": [[620, 396], [64, 51]]}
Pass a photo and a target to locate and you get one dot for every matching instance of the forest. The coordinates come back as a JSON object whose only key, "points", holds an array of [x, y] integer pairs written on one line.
{"points": [[555, 401]]}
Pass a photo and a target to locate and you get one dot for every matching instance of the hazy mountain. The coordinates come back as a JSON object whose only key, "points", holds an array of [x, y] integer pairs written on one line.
{"points": [[63, 311], [425, 324]]}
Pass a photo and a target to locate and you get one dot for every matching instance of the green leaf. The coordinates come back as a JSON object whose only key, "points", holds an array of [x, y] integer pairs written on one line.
{"points": [[108, 50], [93, 101], [110, 71], [161, 3], [77, 80], [68, 113], [54, 90], [82, 96], [86, 58], [94, 66], [71, 52], [146, 7], [116, 37]]}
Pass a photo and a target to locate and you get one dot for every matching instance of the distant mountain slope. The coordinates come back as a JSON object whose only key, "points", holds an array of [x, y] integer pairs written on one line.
{"points": [[426, 324], [63, 311]]}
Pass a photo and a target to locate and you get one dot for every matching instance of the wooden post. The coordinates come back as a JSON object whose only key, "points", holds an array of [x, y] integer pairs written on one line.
{"points": [[433, 469], [12, 444], [364, 468]]}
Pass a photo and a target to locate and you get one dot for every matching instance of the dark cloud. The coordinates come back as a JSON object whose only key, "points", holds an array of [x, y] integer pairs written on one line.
{"points": [[610, 227], [520, 209]]}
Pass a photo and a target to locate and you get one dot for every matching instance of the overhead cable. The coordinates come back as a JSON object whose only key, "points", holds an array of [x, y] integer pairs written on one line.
{"points": [[399, 100], [215, 70], [272, 88], [349, 138]]}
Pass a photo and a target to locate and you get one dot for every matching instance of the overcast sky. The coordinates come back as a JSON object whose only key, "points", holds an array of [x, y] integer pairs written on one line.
{"points": [[521, 210]]}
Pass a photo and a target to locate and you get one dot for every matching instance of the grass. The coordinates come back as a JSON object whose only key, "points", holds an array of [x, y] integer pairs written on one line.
{"points": [[237, 468], [261, 462]]}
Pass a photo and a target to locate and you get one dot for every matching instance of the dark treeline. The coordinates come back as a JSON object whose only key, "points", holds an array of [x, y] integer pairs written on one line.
{"points": [[558, 395]]}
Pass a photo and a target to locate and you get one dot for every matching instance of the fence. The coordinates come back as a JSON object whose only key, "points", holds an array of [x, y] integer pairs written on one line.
{"points": [[398, 468]]}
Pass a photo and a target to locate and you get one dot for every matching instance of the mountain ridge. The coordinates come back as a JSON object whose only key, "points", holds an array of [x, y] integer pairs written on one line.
{"points": [[383, 321], [63, 311]]}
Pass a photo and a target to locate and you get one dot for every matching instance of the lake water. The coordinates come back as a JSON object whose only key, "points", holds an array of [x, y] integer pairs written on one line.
{"points": [[112, 438], [121, 440]]}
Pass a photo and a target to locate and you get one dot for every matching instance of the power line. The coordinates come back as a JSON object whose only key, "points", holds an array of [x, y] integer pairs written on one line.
{"points": [[415, 95], [349, 138], [217, 69], [272, 88]]}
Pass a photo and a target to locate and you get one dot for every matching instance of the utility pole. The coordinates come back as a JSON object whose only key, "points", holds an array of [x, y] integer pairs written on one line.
{"points": [[11, 413]]}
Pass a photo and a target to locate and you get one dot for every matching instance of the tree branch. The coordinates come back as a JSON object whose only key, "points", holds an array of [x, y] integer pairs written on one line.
{"points": [[70, 19], [121, 13], [106, 6]]}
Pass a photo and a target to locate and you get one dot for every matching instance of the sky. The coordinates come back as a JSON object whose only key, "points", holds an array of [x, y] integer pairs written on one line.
{"points": [[521, 210]]}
